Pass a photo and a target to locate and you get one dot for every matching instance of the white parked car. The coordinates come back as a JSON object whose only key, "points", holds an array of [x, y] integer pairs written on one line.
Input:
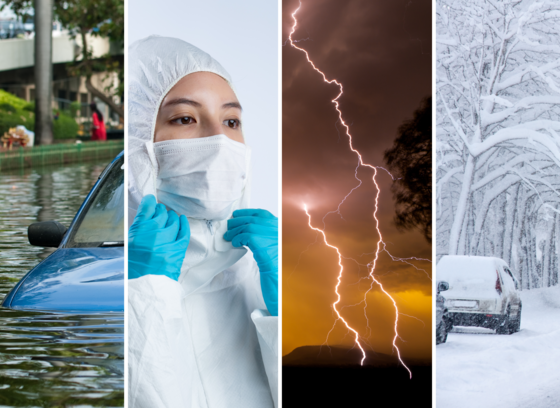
{"points": [[482, 292]]}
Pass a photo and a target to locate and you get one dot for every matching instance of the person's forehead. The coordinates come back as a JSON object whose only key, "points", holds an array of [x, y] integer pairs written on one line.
{"points": [[194, 89], [203, 79]]}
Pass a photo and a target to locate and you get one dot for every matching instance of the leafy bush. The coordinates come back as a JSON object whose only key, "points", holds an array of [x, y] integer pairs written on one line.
{"points": [[6, 107], [15, 111], [6, 97], [12, 119], [65, 127]]}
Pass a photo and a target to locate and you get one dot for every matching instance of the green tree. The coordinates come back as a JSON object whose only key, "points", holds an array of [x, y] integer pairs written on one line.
{"points": [[410, 159], [99, 18]]}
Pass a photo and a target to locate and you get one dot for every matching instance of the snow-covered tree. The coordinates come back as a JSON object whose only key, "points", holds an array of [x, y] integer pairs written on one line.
{"points": [[498, 133]]}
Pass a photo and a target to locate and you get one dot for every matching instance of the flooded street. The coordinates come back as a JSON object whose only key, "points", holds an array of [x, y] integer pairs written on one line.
{"points": [[49, 359]]}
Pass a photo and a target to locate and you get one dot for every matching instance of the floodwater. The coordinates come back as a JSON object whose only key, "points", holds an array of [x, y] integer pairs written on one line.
{"points": [[49, 359]]}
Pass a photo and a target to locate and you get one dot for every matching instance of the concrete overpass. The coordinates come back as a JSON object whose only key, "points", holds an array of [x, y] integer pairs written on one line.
{"points": [[19, 53]]}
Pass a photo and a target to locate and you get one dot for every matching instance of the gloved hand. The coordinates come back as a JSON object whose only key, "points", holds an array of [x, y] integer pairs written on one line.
{"points": [[157, 241], [258, 229]]}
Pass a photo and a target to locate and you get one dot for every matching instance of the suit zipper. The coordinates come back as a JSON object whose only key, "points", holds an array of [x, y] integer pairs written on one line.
{"points": [[210, 226]]}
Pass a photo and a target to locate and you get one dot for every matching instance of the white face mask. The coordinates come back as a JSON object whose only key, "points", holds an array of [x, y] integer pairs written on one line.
{"points": [[201, 178]]}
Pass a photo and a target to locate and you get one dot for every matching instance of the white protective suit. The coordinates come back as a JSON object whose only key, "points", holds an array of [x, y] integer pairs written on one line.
{"points": [[206, 340]]}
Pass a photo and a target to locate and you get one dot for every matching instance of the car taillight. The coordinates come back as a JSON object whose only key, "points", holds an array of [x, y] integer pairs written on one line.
{"points": [[498, 284]]}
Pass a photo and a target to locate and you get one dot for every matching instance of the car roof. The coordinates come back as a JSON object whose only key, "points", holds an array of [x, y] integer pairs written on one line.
{"points": [[454, 266], [473, 260]]}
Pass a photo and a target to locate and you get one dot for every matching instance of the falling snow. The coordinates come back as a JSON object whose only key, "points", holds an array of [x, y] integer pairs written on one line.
{"points": [[498, 134], [498, 190]]}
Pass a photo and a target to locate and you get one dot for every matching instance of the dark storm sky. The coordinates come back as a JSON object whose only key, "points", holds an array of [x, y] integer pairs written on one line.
{"points": [[380, 50]]}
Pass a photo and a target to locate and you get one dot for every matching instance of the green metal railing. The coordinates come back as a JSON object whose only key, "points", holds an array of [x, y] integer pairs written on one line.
{"points": [[59, 154]]}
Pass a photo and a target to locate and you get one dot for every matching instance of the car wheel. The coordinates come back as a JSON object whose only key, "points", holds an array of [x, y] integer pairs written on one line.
{"points": [[441, 332], [503, 326], [515, 324]]}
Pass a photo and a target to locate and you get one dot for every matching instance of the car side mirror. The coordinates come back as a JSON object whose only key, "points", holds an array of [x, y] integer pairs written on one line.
{"points": [[442, 286], [46, 233]]}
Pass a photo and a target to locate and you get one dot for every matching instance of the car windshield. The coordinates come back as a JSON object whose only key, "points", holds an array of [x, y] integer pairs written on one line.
{"points": [[102, 222]]}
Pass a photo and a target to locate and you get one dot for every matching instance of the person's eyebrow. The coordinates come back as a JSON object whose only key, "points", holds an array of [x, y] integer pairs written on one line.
{"points": [[232, 105], [184, 101]]}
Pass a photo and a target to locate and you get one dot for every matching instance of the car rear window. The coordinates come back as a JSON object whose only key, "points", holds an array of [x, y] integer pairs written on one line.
{"points": [[102, 221], [467, 269]]}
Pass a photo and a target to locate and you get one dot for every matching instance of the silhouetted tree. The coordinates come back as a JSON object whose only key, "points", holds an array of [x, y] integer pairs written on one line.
{"points": [[410, 160]]}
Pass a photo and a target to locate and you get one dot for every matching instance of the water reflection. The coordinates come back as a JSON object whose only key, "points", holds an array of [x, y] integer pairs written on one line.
{"points": [[49, 359]]}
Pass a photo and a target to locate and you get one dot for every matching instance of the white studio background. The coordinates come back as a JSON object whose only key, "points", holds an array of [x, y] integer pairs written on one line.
{"points": [[243, 37]]}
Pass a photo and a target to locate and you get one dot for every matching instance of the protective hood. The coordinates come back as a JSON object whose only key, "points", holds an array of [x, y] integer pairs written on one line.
{"points": [[156, 64]]}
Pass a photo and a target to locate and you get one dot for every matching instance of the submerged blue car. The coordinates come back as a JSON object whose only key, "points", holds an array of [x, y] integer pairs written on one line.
{"points": [[86, 272]]}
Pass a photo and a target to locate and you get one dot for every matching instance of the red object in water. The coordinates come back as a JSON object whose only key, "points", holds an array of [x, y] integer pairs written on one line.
{"points": [[98, 131]]}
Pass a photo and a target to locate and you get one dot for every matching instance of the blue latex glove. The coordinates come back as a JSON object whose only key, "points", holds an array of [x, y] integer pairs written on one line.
{"points": [[157, 241], [258, 230]]}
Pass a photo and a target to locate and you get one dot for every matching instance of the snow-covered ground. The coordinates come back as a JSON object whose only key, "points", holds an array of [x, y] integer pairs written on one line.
{"points": [[477, 368]]}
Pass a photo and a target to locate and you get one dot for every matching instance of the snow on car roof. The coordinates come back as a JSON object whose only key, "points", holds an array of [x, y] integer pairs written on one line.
{"points": [[464, 267]]}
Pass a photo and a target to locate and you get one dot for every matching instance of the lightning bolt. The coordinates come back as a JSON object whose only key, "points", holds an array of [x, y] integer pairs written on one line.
{"points": [[341, 271], [381, 246]]}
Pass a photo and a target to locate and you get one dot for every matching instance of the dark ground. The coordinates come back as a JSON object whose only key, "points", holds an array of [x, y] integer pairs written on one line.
{"points": [[346, 386]]}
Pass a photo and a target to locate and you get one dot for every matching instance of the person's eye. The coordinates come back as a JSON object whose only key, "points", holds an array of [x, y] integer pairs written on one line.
{"points": [[232, 123], [186, 120]]}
